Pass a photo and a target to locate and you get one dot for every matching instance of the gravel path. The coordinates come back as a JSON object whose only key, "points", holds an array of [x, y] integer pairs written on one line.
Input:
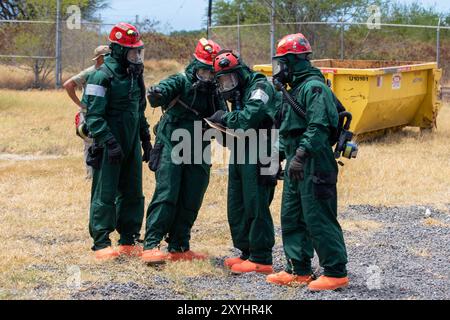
{"points": [[394, 253]]}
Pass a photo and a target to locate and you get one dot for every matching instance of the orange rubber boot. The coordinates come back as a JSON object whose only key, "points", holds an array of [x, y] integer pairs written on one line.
{"points": [[130, 251], [248, 266], [107, 253], [286, 279], [154, 256], [328, 283], [232, 261], [186, 256]]}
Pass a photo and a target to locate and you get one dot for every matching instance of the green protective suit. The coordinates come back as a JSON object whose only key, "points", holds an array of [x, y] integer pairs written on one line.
{"points": [[116, 106], [249, 193], [309, 207], [180, 188]]}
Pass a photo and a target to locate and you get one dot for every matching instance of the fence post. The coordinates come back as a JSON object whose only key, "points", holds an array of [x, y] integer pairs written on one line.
{"points": [[438, 43], [272, 31], [239, 33], [100, 29], [208, 27], [342, 40], [58, 68]]}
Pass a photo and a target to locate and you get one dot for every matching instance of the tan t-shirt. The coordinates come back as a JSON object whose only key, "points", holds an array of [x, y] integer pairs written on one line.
{"points": [[81, 78]]}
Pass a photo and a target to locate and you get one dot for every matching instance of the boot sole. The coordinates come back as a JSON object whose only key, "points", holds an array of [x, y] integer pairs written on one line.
{"points": [[280, 284], [231, 266], [130, 255], [262, 272], [290, 284], [330, 289]]}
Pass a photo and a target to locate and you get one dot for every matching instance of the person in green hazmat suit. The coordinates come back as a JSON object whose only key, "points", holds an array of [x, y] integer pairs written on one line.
{"points": [[115, 100], [309, 204], [250, 190], [186, 99]]}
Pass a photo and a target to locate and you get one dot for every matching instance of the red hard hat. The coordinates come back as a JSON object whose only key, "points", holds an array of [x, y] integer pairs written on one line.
{"points": [[126, 35], [293, 43], [226, 61], [206, 51]]}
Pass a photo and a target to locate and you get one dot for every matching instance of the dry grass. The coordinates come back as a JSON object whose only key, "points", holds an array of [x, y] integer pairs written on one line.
{"points": [[15, 78], [21, 78], [360, 225], [158, 69], [403, 168], [44, 203], [431, 222], [423, 253]]}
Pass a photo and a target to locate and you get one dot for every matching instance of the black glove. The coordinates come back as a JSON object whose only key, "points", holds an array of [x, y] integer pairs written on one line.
{"points": [[95, 156], [280, 173], [217, 117], [115, 153], [154, 94], [282, 155], [296, 167], [147, 148], [155, 157], [146, 144]]}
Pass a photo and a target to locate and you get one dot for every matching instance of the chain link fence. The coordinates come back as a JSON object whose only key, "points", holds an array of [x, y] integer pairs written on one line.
{"points": [[29, 47], [344, 41]]}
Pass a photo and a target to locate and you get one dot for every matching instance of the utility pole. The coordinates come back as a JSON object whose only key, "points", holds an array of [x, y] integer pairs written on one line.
{"points": [[239, 33], [99, 29], [272, 30], [58, 69], [342, 40], [438, 43], [208, 27]]}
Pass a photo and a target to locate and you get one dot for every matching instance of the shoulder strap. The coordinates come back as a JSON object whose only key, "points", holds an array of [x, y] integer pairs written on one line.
{"points": [[309, 79], [103, 68]]}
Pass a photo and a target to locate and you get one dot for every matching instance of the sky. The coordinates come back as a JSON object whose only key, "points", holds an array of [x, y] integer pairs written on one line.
{"points": [[178, 14], [185, 14]]}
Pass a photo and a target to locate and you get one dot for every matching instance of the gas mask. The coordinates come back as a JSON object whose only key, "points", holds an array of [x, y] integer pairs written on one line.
{"points": [[135, 56], [228, 85], [204, 80], [135, 60], [205, 75], [280, 71]]}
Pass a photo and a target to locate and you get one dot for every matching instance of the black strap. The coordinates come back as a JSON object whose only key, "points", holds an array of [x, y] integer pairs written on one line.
{"points": [[339, 106], [103, 68]]}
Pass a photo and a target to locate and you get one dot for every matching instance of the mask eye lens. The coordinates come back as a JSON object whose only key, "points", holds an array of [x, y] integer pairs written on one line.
{"points": [[228, 82], [277, 66], [205, 75], [136, 56]]}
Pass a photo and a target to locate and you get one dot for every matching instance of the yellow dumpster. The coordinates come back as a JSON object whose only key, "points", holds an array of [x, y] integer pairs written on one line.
{"points": [[383, 94]]}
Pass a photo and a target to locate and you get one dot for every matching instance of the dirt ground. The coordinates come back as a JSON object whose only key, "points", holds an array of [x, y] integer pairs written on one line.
{"points": [[394, 208]]}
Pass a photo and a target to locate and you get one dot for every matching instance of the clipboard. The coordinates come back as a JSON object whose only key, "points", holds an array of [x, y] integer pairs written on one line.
{"points": [[221, 128]]}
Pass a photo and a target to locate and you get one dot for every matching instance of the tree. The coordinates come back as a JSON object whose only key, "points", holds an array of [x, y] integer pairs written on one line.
{"points": [[251, 11], [40, 9], [37, 39]]}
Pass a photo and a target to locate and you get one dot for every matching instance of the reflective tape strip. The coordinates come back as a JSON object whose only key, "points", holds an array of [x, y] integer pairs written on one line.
{"points": [[95, 90], [259, 94]]}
